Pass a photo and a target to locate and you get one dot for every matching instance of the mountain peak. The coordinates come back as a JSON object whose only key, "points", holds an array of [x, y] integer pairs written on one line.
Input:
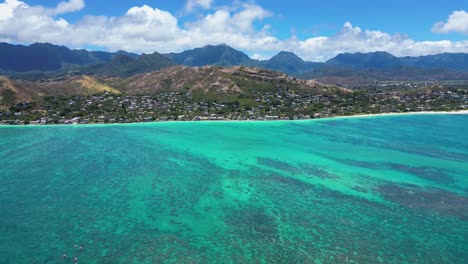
{"points": [[289, 63], [365, 54], [44, 44], [222, 55], [287, 55], [209, 46], [377, 59]]}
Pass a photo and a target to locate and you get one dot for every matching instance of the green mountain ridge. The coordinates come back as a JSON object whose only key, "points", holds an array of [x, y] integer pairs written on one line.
{"points": [[46, 57], [220, 55], [44, 60], [123, 65]]}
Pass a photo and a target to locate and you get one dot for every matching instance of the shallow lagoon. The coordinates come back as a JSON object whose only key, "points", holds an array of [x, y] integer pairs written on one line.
{"points": [[390, 189]]}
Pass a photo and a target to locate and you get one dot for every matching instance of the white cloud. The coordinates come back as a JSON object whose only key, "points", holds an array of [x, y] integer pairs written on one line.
{"points": [[354, 39], [245, 18], [147, 29], [190, 5], [7, 8], [69, 6], [456, 22]]}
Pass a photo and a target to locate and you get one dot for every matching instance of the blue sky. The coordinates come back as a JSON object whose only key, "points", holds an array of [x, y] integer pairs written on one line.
{"points": [[315, 30]]}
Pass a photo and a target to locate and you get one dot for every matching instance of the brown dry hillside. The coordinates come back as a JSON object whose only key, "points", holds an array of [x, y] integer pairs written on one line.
{"points": [[11, 93], [204, 81], [261, 79], [81, 85], [217, 79], [182, 78], [35, 91]]}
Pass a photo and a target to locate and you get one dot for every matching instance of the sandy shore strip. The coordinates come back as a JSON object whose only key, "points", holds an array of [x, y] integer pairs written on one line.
{"points": [[458, 112]]}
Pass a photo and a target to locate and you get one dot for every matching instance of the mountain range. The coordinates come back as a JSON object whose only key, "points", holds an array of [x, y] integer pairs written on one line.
{"points": [[44, 60], [385, 60]]}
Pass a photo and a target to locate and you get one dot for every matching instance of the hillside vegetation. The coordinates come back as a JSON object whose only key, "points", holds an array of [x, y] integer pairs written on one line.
{"points": [[205, 83]]}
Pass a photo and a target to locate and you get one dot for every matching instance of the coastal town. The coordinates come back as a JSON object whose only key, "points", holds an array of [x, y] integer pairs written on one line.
{"points": [[280, 104]]}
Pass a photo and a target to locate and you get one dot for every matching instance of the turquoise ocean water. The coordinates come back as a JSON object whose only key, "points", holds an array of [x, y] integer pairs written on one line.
{"points": [[390, 189]]}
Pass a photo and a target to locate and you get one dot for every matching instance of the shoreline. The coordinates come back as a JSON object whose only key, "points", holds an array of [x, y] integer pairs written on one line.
{"points": [[456, 112]]}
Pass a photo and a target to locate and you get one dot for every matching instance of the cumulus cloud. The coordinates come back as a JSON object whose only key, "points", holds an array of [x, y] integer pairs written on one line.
{"points": [[354, 39], [7, 8], [69, 6], [456, 22], [190, 5], [147, 29]]}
